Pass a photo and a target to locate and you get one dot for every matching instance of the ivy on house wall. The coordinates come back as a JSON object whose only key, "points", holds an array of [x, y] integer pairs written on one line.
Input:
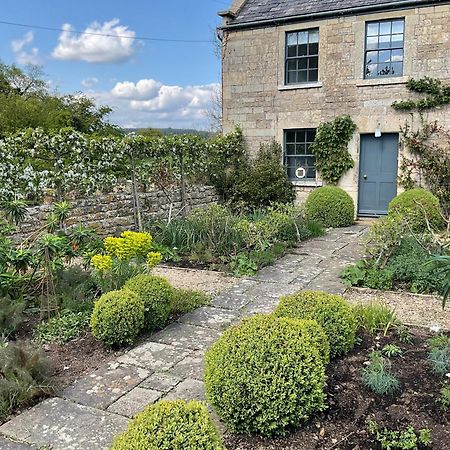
{"points": [[437, 94], [330, 148]]}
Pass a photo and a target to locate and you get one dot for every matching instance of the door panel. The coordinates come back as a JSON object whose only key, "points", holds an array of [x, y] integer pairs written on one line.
{"points": [[377, 173]]}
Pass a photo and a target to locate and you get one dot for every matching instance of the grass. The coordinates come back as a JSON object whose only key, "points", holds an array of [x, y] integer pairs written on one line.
{"points": [[375, 317]]}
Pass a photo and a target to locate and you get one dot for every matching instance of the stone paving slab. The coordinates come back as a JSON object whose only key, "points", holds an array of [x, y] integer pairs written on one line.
{"points": [[6, 444], [210, 317], [154, 356], [135, 401], [188, 389], [64, 425], [230, 301], [264, 305], [162, 382], [105, 385], [190, 367], [274, 290], [186, 336]]}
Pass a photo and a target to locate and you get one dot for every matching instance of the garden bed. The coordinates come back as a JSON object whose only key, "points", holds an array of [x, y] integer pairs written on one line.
{"points": [[351, 406], [411, 309]]}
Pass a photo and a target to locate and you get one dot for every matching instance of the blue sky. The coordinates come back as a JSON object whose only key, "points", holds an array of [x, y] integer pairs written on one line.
{"points": [[148, 83]]}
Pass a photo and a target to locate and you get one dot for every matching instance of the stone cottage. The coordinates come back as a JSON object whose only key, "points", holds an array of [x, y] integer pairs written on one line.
{"points": [[290, 65]]}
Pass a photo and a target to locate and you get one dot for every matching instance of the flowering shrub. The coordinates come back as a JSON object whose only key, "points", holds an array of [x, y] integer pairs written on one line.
{"points": [[126, 256]]}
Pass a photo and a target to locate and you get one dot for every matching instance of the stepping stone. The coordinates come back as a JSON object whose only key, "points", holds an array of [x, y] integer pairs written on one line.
{"points": [[191, 367], [154, 356], [162, 382], [105, 385], [64, 425], [210, 317], [6, 444], [135, 402], [231, 301], [186, 336], [187, 390]]}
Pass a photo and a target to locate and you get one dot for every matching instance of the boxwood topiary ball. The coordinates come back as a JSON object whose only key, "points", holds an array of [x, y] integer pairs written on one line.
{"points": [[330, 206], [330, 311], [157, 295], [417, 206], [169, 425], [118, 317], [265, 376]]}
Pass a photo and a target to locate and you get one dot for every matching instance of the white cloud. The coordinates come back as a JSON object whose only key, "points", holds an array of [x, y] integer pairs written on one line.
{"points": [[150, 103], [23, 54], [89, 82], [117, 47], [143, 89]]}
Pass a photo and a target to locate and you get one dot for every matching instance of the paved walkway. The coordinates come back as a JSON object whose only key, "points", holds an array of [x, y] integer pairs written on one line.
{"points": [[169, 365]]}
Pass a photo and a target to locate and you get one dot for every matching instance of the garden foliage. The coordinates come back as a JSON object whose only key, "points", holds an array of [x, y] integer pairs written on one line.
{"points": [[330, 311], [331, 207], [169, 425], [265, 376]]}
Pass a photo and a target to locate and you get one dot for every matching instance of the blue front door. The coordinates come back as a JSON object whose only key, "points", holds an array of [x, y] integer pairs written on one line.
{"points": [[378, 163]]}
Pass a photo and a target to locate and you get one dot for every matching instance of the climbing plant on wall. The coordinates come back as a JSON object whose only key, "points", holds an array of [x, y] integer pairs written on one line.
{"points": [[331, 148], [437, 94]]}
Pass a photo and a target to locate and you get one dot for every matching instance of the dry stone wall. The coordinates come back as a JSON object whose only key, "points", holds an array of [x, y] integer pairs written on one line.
{"points": [[113, 213]]}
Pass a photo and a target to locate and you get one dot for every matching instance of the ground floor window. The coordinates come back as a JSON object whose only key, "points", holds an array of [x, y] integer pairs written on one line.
{"points": [[298, 158]]}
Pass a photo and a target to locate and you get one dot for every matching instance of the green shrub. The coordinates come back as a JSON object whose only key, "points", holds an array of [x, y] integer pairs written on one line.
{"points": [[157, 295], [24, 376], [330, 206], [366, 273], [264, 182], [375, 317], [118, 317], [265, 375], [62, 328], [417, 206], [330, 311], [409, 439], [11, 316], [186, 300], [169, 425]]}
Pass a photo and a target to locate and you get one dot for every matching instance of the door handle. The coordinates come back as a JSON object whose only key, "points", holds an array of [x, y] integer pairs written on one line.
{"points": [[365, 176]]}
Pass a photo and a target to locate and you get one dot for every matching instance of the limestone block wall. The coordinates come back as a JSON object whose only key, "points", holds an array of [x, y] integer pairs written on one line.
{"points": [[113, 213], [255, 97]]}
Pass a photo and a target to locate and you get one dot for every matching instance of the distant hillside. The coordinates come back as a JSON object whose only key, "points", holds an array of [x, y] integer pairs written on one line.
{"points": [[169, 131]]}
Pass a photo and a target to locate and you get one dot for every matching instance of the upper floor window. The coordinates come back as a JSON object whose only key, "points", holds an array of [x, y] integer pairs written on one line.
{"points": [[384, 48], [302, 56], [298, 157]]}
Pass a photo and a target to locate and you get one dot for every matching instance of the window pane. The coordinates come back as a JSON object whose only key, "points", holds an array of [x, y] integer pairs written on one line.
{"points": [[303, 37], [292, 51], [384, 42], [372, 43], [397, 68], [372, 29], [384, 56], [292, 39], [292, 64], [301, 136], [314, 36], [290, 136], [303, 50], [302, 76], [371, 70], [301, 149], [313, 49], [385, 28], [303, 63], [397, 40], [313, 62], [313, 75], [397, 55], [310, 135], [398, 26], [372, 57], [384, 70], [292, 77], [291, 173]]}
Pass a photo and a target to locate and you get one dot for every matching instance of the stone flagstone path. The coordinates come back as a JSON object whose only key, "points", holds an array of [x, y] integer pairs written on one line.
{"points": [[169, 365]]}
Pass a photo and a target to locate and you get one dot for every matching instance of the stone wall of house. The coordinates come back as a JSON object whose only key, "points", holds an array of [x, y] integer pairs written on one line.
{"points": [[255, 97], [113, 213]]}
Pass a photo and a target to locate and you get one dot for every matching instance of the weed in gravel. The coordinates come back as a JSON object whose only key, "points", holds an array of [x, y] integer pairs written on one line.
{"points": [[392, 351], [404, 335]]}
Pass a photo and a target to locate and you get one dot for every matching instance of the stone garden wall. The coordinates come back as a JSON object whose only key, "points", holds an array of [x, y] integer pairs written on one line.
{"points": [[113, 213]]}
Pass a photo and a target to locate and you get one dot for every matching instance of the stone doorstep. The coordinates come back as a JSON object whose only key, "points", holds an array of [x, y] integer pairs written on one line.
{"points": [[65, 425]]}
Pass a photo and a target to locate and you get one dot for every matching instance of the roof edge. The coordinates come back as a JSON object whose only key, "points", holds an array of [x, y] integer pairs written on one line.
{"points": [[393, 5]]}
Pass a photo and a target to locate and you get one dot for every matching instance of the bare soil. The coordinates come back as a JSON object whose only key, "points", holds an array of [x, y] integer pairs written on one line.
{"points": [[412, 309], [344, 425]]}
